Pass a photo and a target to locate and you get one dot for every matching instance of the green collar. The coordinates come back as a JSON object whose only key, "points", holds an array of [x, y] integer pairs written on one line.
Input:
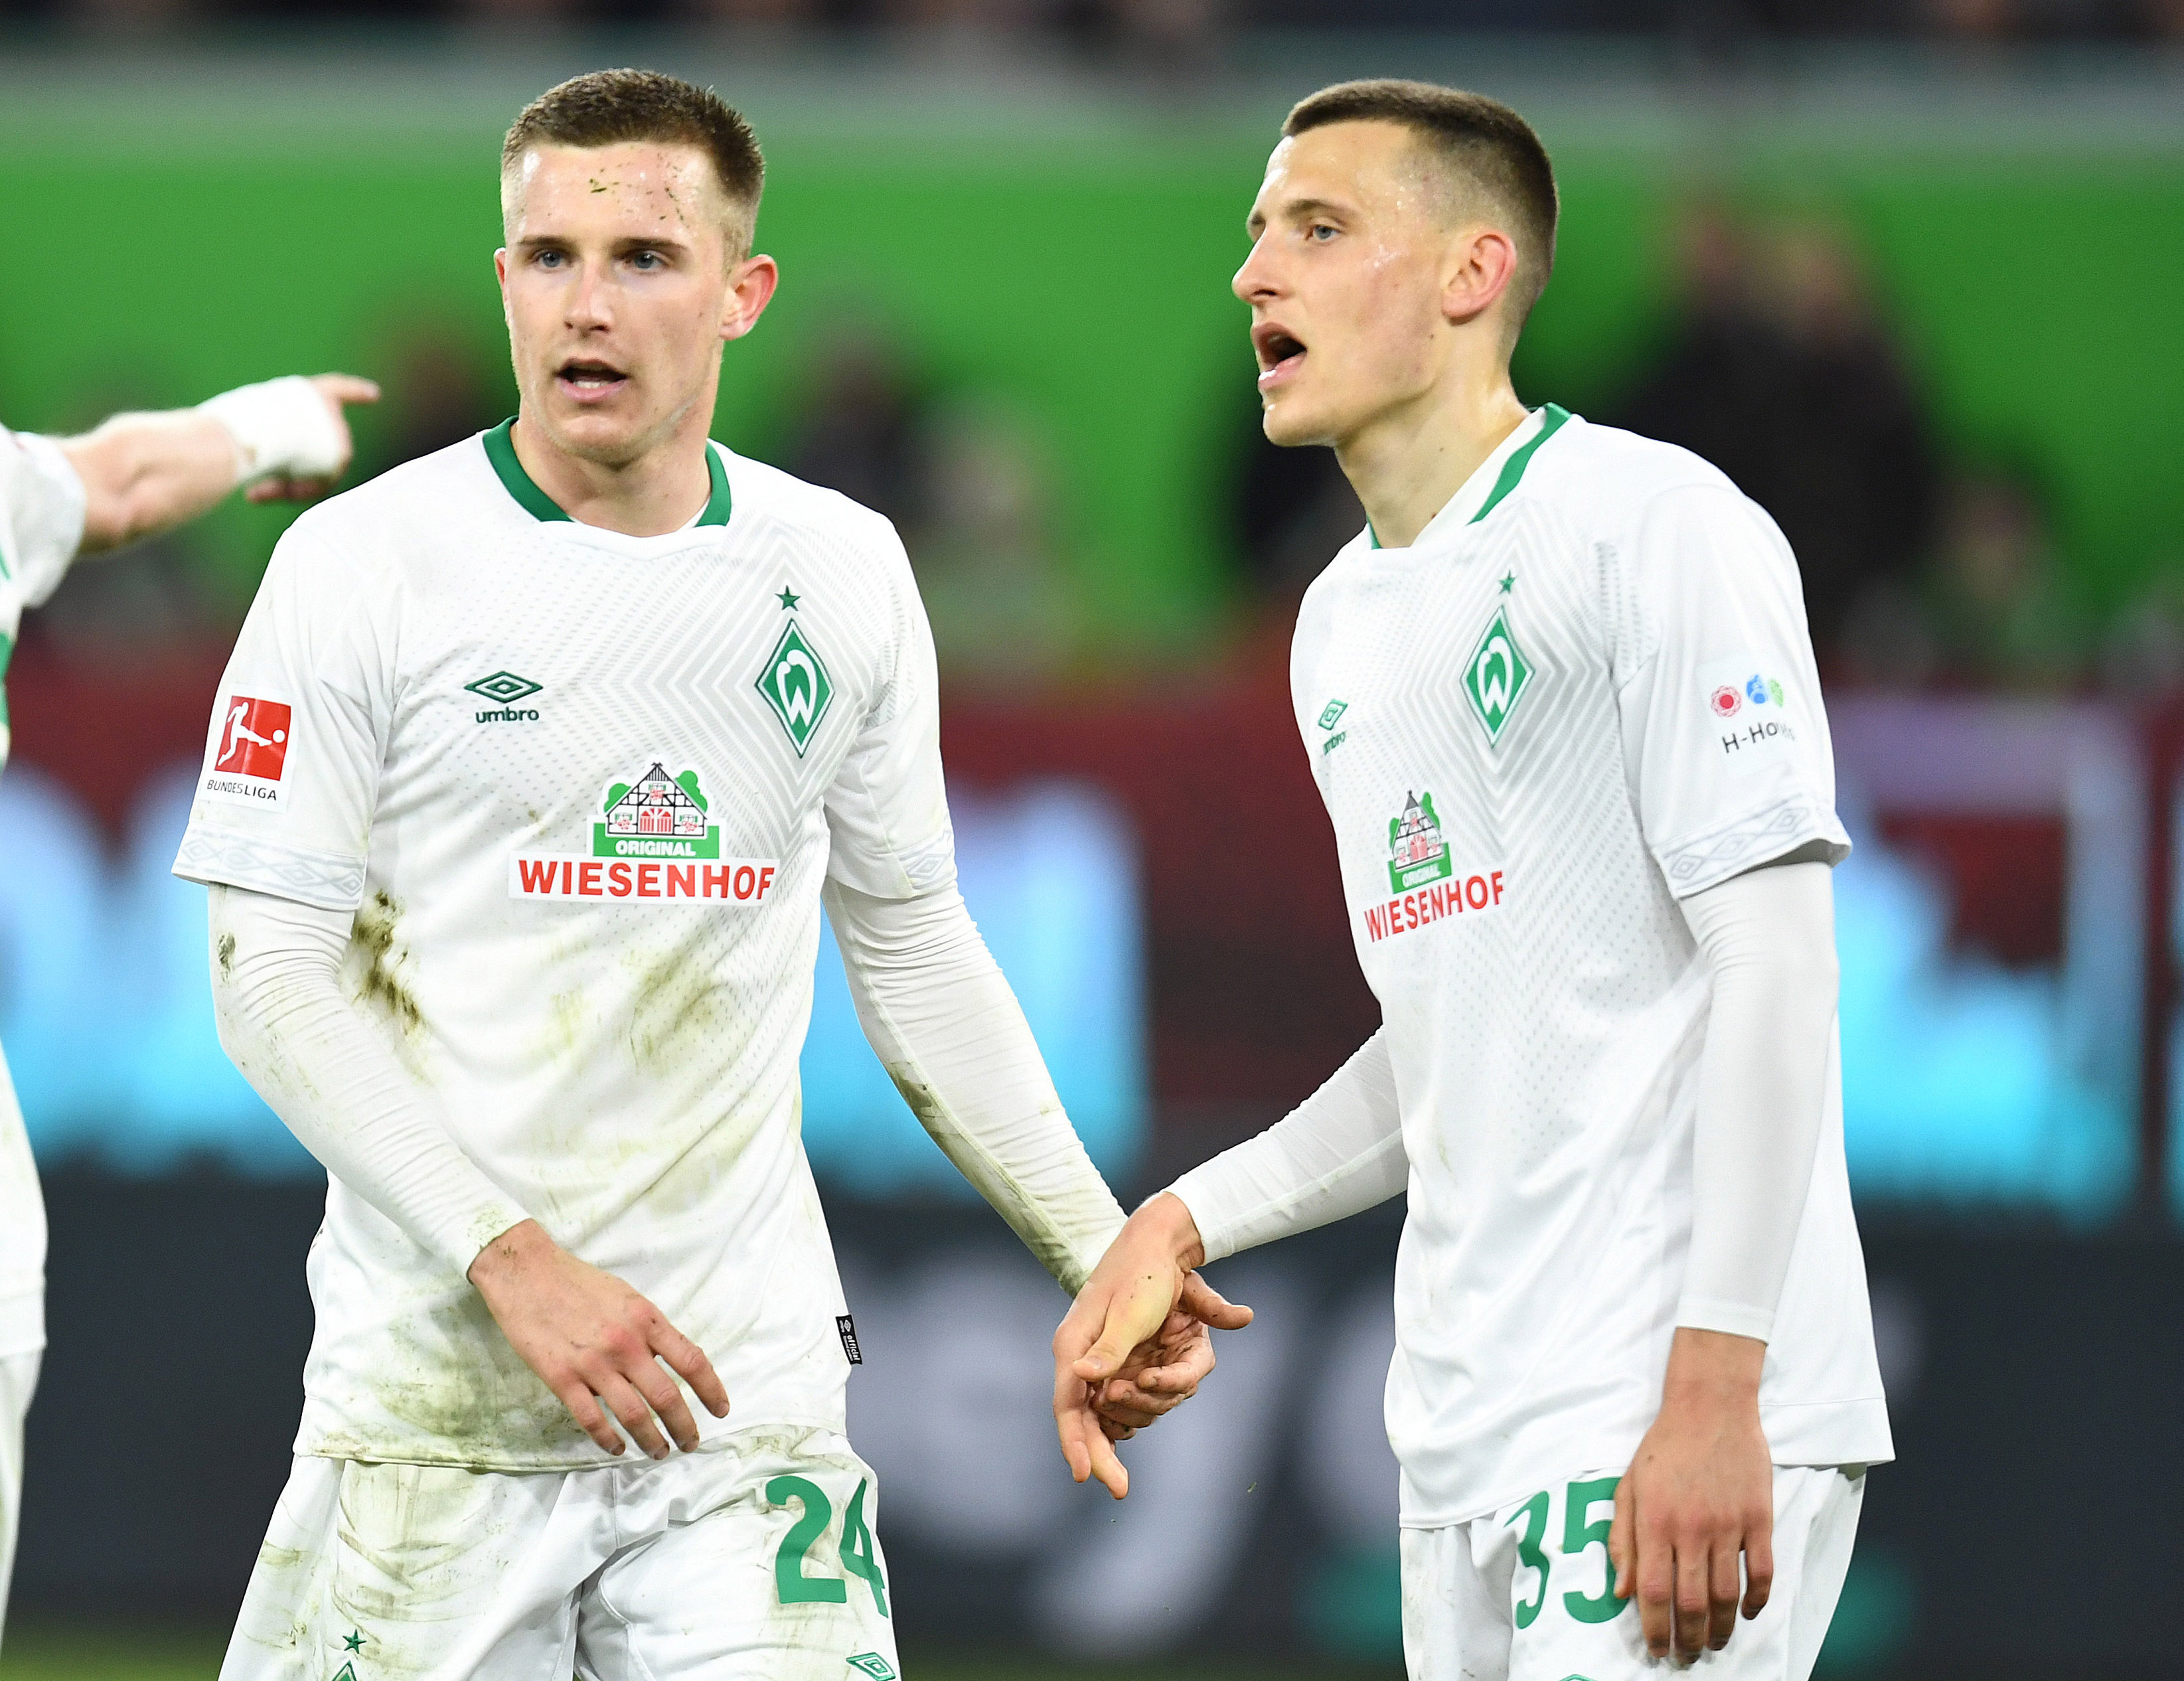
{"points": [[1512, 470], [500, 450]]}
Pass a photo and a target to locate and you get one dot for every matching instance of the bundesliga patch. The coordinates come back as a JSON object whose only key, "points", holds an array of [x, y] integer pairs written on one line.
{"points": [[1751, 709], [252, 753], [652, 840], [1425, 882]]}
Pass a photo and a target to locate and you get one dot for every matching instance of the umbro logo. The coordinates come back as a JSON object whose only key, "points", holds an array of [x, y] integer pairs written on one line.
{"points": [[504, 687], [507, 688]]}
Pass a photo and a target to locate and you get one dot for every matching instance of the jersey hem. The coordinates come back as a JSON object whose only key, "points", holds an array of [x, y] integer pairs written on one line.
{"points": [[595, 1458], [1830, 1432]]}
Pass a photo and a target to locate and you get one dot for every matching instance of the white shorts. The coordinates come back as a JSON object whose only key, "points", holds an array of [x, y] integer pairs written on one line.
{"points": [[19, 1380], [1527, 1594], [755, 1557]]}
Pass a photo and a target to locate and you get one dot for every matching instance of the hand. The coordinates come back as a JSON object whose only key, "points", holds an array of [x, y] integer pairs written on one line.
{"points": [[1700, 1491], [592, 1339], [337, 389], [1159, 1374], [1120, 1327]]}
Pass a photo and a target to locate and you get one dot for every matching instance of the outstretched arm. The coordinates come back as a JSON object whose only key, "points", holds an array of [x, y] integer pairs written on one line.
{"points": [[287, 1024], [1338, 1153], [952, 1035], [143, 474], [1698, 1499], [953, 1039]]}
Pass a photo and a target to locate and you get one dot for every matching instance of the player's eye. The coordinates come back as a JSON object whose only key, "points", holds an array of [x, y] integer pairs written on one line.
{"points": [[548, 259], [647, 261], [1320, 232]]}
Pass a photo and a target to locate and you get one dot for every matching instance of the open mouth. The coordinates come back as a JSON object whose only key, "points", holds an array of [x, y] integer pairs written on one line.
{"points": [[588, 381], [1281, 353]]}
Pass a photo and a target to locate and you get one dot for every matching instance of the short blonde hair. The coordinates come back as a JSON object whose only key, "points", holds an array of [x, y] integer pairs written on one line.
{"points": [[610, 108]]}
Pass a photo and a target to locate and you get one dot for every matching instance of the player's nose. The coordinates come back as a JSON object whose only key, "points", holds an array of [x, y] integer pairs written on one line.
{"points": [[587, 304], [1255, 282]]}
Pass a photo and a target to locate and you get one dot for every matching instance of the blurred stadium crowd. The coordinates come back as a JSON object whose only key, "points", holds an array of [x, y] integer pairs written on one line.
{"points": [[1173, 23], [1928, 566]]}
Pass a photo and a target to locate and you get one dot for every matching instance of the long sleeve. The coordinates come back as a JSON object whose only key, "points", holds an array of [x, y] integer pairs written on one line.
{"points": [[952, 1035], [1769, 937], [285, 1023], [1338, 1153]]}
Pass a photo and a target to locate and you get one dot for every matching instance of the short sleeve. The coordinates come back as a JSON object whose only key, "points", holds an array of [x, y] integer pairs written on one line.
{"points": [[42, 504], [285, 799], [887, 812], [1724, 739]]}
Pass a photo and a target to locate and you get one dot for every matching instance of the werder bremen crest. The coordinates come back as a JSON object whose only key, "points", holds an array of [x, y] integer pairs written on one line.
{"points": [[795, 684], [1497, 675], [1417, 854]]}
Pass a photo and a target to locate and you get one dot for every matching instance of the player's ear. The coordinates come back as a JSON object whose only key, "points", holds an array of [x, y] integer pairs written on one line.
{"points": [[750, 289], [1482, 263]]}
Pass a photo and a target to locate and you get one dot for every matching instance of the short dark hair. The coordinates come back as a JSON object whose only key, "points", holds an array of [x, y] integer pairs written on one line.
{"points": [[608, 107], [1482, 140]]}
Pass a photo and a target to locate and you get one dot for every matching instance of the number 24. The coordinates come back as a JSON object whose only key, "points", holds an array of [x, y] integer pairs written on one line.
{"points": [[859, 1556]]}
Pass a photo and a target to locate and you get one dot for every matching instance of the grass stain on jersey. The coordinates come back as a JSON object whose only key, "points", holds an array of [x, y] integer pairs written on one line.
{"points": [[991, 1180], [225, 950], [379, 982], [675, 1010], [486, 1407], [436, 1540]]}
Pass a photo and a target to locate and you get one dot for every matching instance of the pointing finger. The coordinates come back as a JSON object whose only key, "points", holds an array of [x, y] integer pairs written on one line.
{"points": [[347, 387]]}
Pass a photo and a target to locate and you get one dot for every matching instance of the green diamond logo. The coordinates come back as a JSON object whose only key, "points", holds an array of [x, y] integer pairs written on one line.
{"points": [[795, 684], [1333, 710], [873, 1664], [1497, 675], [503, 688]]}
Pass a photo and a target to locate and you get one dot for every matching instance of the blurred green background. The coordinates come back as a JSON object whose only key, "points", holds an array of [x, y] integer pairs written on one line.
{"points": [[1082, 270]]}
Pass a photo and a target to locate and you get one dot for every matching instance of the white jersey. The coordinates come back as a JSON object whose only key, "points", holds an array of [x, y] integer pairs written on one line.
{"points": [[1586, 692], [42, 506], [582, 791]]}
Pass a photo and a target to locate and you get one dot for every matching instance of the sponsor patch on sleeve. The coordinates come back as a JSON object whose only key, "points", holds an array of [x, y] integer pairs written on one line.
{"points": [[1752, 716], [252, 753]]}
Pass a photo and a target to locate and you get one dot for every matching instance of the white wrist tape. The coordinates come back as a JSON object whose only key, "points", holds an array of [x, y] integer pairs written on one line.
{"points": [[281, 425]]}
